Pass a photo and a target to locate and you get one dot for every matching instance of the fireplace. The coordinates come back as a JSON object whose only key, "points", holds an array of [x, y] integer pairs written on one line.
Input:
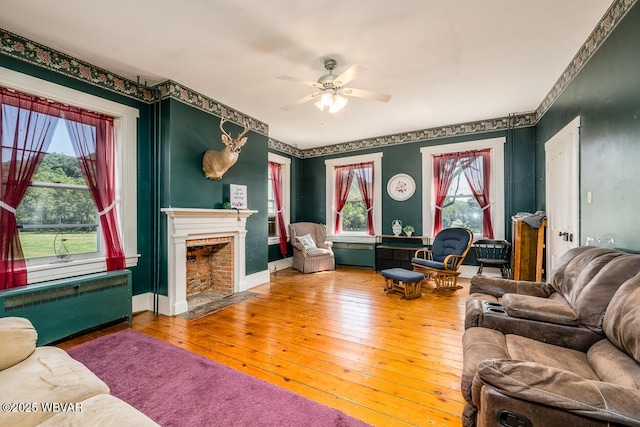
{"points": [[203, 232], [210, 266]]}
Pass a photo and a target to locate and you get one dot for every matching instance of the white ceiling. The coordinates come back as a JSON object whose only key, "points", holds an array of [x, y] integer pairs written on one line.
{"points": [[443, 62]]}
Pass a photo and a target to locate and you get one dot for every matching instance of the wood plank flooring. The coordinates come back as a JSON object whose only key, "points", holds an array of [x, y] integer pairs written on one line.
{"points": [[336, 338]]}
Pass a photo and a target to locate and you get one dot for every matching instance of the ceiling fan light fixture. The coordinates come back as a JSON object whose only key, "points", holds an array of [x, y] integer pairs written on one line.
{"points": [[319, 105], [327, 99], [338, 103]]}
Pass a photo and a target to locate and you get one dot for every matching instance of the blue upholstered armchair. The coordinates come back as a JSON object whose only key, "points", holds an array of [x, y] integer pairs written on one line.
{"points": [[442, 261]]}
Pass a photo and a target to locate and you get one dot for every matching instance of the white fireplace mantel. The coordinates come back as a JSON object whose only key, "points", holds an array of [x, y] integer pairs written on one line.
{"points": [[185, 224]]}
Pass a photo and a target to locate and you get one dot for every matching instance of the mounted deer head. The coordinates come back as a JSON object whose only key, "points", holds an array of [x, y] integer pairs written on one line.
{"points": [[216, 163]]}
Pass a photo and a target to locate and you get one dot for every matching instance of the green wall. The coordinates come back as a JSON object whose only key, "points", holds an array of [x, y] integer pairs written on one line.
{"points": [[144, 269], [187, 133], [406, 158], [606, 96]]}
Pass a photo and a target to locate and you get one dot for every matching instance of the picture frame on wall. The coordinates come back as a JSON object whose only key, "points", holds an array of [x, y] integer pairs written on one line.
{"points": [[238, 196]]}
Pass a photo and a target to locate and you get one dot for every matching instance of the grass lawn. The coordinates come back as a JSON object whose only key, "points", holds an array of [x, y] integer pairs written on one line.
{"points": [[36, 245]]}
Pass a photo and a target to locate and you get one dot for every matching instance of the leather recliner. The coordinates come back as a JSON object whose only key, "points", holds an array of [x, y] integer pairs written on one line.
{"points": [[568, 311], [510, 380]]}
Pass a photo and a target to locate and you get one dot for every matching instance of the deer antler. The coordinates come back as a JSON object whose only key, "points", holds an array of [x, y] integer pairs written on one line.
{"points": [[246, 129]]}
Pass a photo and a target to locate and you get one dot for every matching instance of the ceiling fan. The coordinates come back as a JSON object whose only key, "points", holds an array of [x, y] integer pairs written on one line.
{"points": [[331, 87]]}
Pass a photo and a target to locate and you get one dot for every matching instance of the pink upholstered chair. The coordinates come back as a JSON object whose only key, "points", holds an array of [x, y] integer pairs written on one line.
{"points": [[311, 251]]}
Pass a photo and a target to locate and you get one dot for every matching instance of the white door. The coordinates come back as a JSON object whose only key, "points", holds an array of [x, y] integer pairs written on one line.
{"points": [[562, 174]]}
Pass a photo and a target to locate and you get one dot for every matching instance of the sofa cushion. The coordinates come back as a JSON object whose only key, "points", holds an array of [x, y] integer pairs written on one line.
{"points": [[574, 268], [48, 375], [18, 338], [622, 320], [614, 366], [552, 310], [558, 388], [592, 302], [101, 410], [526, 349]]}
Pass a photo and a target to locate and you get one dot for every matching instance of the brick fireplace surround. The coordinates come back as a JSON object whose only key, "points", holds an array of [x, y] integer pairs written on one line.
{"points": [[189, 230]]}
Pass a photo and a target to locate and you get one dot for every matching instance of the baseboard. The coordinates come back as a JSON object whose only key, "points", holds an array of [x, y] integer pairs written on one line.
{"points": [[253, 280], [280, 264], [144, 302]]}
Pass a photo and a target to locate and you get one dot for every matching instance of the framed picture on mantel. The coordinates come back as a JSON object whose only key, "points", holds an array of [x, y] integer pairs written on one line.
{"points": [[238, 196]]}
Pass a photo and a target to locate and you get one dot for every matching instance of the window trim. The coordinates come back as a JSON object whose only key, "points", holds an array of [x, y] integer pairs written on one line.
{"points": [[126, 137], [496, 145], [285, 162], [330, 164]]}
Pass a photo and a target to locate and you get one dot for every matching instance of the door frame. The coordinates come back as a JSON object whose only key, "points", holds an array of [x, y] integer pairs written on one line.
{"points": [[572, 129]]}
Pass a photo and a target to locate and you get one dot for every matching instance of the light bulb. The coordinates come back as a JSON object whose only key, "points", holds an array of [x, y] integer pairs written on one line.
{"points": [[338, 104], [327, 99]]}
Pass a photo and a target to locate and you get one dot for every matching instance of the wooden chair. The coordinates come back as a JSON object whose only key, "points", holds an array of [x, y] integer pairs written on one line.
{"points": [[493, 253], [442, 261]]}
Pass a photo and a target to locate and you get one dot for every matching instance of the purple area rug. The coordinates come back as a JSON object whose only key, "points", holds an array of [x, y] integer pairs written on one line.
{"points": [[175, 387]]}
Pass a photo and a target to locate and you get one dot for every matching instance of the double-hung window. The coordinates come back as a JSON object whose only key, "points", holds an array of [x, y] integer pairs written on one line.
{"points": [[465, 183], [354, 196], [64, 210]]}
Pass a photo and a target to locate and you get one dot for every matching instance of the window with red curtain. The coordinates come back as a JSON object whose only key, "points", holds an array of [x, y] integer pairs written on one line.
{"points": [[354, 198], [275, 172], [28, 124], [461, 187]]}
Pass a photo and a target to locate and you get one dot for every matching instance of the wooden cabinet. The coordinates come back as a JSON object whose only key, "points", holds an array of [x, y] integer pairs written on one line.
{"points": [[527, 252], [397, 251]]}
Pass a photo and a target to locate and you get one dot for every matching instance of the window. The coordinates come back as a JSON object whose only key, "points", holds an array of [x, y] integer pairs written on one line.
{"points": [[352, 183], [458, 206], [273, 226], [57, 180], [57, 217]]}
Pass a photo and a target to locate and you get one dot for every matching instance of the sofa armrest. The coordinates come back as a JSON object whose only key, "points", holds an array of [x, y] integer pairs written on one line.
{"points": [[551, 310], [498, 286], [564, 390], [18, 338]]}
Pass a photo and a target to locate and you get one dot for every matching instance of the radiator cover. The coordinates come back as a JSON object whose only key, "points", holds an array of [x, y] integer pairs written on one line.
{"points": [[61, 308]]}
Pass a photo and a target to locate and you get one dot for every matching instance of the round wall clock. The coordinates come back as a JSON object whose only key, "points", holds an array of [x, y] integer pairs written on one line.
{"points": [[401, 187]]}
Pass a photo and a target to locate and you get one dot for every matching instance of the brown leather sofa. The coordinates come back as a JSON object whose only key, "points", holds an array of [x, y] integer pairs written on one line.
{"points": [[568, 311], [511, 380]]}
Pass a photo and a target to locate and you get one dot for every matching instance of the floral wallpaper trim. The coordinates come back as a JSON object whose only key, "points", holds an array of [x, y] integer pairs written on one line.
{"points": [[482, 126], [171, 89], [26, 50], [605, 27]]}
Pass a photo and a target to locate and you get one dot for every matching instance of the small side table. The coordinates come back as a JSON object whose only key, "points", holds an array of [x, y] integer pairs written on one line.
{"points": [[405, 281]]}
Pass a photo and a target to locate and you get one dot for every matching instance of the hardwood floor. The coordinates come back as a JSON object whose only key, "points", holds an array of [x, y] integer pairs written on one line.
{"points": [[336, 338]]}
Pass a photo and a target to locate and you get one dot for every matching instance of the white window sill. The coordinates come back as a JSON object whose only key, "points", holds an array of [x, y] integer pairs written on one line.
{"points": [[63, 270], [275, 240]]}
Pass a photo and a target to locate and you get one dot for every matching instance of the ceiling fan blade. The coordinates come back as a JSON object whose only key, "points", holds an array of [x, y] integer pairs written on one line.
{"points": [[350, 74], [366, 94], [296, 80], [301, 100]]}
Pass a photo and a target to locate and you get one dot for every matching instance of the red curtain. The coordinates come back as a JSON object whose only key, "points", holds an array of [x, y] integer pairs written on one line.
{"points": [[344, 178], [364, 175], [476, 167], [275, 169], [94, 144], [27, 125], [443, 168]]}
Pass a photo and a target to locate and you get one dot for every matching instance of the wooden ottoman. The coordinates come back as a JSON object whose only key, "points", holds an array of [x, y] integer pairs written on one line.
{"points": [[404, 281]]}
